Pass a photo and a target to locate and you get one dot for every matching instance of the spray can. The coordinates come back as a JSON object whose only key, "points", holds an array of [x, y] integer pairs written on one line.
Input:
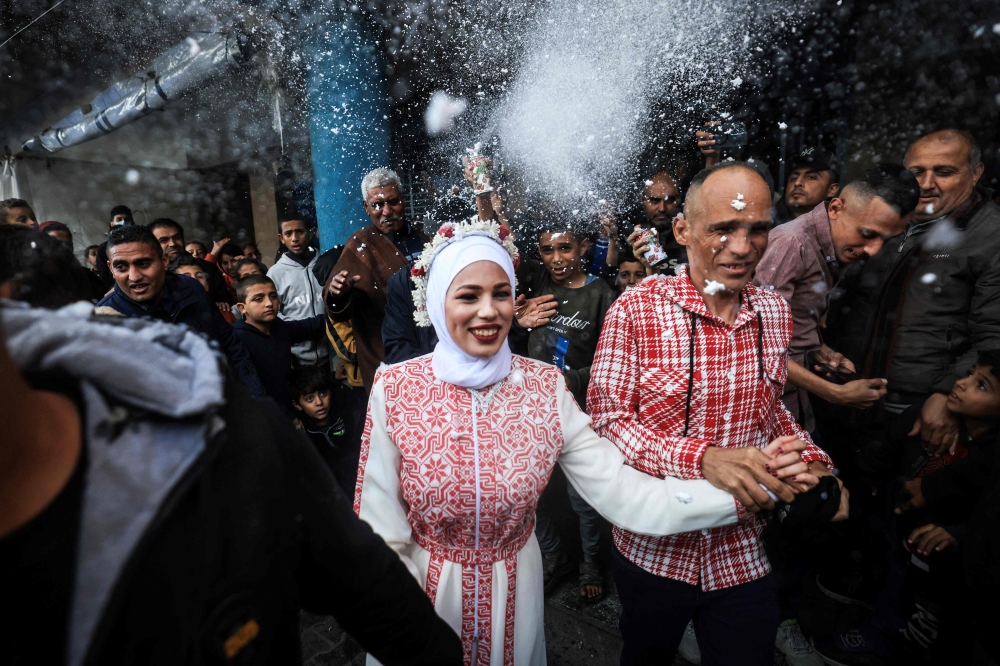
{"points": [[481, 181], [655, 255]]}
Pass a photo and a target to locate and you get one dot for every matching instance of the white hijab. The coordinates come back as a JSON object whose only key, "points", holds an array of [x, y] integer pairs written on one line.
{"points": [[450, 363]]}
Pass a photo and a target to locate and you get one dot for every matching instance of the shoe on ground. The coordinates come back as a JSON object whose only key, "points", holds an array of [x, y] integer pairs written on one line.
{"points": [[848, 649], [555, 568], [798, 649], [847, 588], [688, 649]]}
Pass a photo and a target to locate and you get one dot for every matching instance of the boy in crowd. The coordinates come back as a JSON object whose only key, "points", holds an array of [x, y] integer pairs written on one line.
{"points": [[268, 338], [631, 272], [568, 341], [170, 235], [312, 392], [918, 613], [247, 266], [251, 251], [187, 264], [196, 249], [300, 293]]}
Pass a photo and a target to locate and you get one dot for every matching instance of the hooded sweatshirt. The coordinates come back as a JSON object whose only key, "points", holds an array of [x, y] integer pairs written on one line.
{"points": [[301, 297], [200, 514]]}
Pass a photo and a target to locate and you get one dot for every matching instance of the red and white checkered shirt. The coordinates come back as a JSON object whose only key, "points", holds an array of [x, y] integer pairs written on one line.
{"points": [[638, 399]]}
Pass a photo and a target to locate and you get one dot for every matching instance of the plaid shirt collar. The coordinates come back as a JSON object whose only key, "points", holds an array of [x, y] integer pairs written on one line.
{"points": [[687, 297]]}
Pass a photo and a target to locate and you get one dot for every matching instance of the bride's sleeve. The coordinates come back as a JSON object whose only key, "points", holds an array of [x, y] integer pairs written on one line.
{"points": [[378, 497], [629, 498]]}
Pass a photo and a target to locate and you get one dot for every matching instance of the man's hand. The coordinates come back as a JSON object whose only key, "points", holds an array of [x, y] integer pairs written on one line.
{"points": [[835, 359], [706, 144], [217, 245], [820, 469], [609, 225], [914, 490], [936, 426], [742, 472], [859, 394], [639, 247], [535, 312], [338, 291], [931, 539]]}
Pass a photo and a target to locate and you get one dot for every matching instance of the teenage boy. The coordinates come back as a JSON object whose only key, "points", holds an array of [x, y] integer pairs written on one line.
{"points": [[196, 249], [268, 338], [312, 392], [300, 294], [569, 341], [941, 489]]}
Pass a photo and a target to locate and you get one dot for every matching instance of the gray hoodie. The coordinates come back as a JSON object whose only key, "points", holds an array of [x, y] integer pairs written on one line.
{"points": [[123, 365]]}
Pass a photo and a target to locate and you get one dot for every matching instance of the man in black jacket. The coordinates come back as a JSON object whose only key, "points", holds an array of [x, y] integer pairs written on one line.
{"points": [[170, 235], [921, 310], [143, 288], [165, 518]]}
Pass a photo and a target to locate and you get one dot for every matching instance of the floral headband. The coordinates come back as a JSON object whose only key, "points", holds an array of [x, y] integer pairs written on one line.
{"points": [[452, 231]]}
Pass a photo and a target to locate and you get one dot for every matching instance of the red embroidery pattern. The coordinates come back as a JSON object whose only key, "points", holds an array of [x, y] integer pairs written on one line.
{"points": [[520, 438], [433, 578]]}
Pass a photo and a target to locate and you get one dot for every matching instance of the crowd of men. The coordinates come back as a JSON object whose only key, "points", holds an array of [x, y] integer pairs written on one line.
{"points": [[893, 369]]}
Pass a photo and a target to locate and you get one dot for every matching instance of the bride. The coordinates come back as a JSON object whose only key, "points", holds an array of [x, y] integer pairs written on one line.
{"points": [[460, 443]]}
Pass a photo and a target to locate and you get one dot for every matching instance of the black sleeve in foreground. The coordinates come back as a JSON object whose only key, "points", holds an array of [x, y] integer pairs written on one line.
{"points": [[349, 572]]}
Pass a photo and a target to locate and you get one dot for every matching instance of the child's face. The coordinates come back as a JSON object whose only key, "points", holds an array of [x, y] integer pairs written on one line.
{"points": [[247, 269], [630, 273], [314, 405], [562, 255], [261, 304], [976, 395], [196, 273]]}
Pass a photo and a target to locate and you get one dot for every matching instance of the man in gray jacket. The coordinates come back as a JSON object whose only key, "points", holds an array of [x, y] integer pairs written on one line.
{"points": [[301, 296], [921, 310]]}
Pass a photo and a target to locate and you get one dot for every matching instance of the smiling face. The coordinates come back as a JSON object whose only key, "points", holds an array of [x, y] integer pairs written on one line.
{"points": [[261, 304], [976, 395], [171, 239], [724, 245], [859, 230], [562, 256], [940, 163], [139, 271], [295, 235], [386, 207], [479, 309]]}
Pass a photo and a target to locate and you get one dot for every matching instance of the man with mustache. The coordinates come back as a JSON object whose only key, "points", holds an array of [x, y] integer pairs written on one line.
{"points": [[356, 289], [144, 288], [920, 311]]}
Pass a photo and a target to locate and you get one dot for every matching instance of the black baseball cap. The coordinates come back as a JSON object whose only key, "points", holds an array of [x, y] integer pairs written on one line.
{"points": [[816, 159]]}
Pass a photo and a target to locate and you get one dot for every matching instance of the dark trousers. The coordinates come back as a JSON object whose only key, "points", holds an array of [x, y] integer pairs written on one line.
{"points": [[734, 626]]}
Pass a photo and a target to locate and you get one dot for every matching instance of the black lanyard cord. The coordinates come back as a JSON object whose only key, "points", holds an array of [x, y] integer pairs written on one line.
{"points": [[687, 406]]}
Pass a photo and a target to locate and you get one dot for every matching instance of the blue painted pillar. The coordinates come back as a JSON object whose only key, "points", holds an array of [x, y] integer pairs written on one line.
{"points": [[348, 119]]}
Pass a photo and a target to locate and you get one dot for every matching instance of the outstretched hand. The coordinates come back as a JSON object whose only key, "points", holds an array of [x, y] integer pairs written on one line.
{"points": [[338, 290], [535, 312]]}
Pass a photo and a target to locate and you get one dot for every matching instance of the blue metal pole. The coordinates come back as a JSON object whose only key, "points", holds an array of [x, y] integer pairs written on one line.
{"points": [[348, 119]]}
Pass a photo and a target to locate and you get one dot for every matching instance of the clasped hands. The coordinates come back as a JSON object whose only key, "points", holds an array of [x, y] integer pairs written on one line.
{"points": [[778, 467]]}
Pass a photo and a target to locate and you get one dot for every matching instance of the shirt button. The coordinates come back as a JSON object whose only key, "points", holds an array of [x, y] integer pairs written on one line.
{"points": [[704, 532], [725, 417]]}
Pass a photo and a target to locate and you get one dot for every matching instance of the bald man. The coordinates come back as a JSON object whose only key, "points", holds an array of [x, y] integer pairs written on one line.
{"points": [[687, 382], [921, 310]]}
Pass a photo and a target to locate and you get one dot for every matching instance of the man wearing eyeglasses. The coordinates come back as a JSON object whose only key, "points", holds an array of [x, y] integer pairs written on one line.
{"points": [[355, 290]]}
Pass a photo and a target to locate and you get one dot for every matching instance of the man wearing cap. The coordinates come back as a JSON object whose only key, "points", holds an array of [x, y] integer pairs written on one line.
{"points": [[813, 179]]}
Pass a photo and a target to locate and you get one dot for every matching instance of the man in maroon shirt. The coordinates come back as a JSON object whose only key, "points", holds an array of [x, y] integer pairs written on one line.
{"points": [[803, 262]]}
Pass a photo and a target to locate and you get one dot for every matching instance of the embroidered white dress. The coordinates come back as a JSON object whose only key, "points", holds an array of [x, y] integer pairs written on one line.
{"points": [[450, 478]]}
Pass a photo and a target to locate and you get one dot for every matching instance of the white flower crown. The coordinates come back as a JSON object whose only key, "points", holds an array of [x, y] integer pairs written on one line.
{"points": [[449, 232]]}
